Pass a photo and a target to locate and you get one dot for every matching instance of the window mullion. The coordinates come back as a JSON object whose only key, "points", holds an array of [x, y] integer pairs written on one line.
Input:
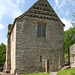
{"points": [[41, 30]]}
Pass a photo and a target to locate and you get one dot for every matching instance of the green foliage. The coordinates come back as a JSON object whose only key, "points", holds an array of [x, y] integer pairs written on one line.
{"points": [[67, 72], [69, 38], [73, 20], [37, 74], [2, 53]]}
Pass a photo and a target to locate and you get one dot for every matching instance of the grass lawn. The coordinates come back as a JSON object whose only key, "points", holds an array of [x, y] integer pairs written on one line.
{"points": [[37, 74], [67, 72]]}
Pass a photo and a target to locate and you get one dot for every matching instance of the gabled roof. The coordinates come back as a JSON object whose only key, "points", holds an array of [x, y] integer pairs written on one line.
{"points": [[41, 9]]}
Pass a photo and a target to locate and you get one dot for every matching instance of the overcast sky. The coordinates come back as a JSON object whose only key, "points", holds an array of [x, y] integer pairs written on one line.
{"points": [[10, 9]]}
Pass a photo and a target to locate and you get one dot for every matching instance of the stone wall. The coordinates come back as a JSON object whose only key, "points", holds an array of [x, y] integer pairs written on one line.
{"points": [[72, 56], [29, 47], [8, 50], [13, 50]]}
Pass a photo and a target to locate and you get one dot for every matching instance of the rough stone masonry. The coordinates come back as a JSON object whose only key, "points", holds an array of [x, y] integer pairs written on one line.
{"points": [[72, 56], [35, 41]]}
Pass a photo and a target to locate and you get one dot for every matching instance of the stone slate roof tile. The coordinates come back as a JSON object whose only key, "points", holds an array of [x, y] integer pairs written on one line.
{"points": [[41, 9]]}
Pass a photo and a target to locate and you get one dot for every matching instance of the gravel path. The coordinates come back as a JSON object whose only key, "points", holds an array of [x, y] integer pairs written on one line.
{"points": [[53, 73]]}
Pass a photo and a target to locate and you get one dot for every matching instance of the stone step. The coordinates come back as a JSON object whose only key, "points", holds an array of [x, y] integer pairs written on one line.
{"points": [[5, 73], [65, 67]]}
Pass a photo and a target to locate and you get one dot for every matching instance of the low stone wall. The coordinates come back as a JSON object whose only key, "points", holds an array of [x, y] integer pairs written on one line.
{"points": [[72, 56]]}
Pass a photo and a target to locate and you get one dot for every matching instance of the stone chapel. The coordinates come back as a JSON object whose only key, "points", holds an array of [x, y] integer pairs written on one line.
{"points": [[35, 41]]}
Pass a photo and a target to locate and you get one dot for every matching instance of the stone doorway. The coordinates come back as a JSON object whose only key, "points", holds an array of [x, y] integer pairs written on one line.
{"points": [[47, 65]]}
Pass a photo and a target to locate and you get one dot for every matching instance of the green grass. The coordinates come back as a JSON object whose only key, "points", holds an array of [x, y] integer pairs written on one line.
{"points": [[37, 74], [67, 72]]}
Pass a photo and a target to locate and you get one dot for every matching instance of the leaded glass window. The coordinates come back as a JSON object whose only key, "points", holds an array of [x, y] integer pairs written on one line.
{"points": [[39, 30], [44, 31]]}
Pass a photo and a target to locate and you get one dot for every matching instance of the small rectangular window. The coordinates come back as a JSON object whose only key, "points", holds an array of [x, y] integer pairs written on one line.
{"points": [[40, 58]]}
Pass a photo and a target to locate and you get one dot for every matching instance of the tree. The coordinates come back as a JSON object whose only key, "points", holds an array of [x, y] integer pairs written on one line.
{"points": [[73, 21], [2, 53], [69, 38]]}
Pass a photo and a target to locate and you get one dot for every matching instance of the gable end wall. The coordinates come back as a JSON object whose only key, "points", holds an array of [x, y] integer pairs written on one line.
{"points": [[29, 47]]}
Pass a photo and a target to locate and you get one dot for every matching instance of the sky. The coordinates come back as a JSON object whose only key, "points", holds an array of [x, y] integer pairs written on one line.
{"points": [[10, 9]]}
